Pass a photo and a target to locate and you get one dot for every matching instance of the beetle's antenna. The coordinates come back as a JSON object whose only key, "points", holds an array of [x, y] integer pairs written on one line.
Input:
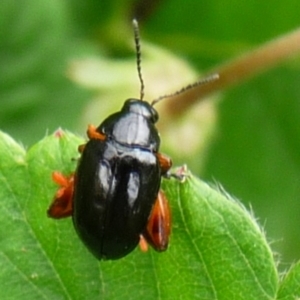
{"points": [[205, 80], [138, 55]]}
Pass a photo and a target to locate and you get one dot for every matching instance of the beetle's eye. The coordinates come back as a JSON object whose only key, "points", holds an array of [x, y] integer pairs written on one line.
{"points": [[154, 115]]}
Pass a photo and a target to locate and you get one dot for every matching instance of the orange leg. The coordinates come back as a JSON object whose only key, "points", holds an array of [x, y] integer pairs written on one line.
{"points": [[143, 244], [81, 148], [61, 206], [165, 162], [92, 133], [159, 225]]}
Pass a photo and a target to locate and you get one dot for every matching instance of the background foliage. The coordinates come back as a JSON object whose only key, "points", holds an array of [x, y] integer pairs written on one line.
{"points": [[255, 152]]}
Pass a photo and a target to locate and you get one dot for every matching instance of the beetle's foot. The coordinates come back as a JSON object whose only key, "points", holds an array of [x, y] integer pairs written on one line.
{"points": [[143, 244]]}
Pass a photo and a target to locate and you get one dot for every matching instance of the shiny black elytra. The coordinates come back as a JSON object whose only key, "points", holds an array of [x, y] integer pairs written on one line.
{"points": [[117, 182], [114, 196]]}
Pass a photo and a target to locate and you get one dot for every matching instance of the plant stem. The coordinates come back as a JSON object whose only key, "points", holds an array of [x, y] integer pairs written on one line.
{"points": [[263, 58]]}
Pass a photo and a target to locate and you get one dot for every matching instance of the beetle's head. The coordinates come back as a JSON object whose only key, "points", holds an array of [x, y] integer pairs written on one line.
{"points": [[141, 108]]}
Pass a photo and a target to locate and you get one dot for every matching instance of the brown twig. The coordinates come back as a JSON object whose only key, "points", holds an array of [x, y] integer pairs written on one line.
{"points": [[234, 72]]}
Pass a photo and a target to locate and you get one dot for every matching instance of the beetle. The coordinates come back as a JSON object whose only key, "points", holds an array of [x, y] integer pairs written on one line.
{"points": [[114, 196]]}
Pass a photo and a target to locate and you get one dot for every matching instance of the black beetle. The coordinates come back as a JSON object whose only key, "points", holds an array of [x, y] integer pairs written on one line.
{"points": [[114, 197]]}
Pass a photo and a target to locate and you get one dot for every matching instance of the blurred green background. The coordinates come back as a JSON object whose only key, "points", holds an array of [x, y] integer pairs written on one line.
{"points": [[255, 149]]}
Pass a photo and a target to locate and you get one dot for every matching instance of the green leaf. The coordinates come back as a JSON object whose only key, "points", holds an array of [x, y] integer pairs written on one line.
{"points": [[290, 286], [35, 46], [217, 250]]}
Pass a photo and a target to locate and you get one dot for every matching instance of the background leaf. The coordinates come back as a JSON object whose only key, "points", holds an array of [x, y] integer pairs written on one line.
{"points": [[217, 250], [290, 285]]}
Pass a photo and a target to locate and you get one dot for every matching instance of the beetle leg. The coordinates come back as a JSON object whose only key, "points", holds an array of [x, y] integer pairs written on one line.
{"points": [[92, 133], [81, 148], [165, 162], [159, 224], [61, 206], [143, 244]]}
